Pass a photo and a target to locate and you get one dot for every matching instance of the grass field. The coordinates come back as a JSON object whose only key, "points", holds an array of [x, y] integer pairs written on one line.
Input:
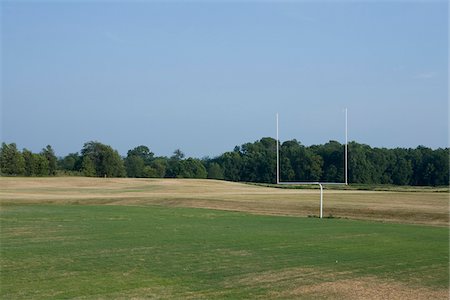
{"points": [[420, 206], [129, 238]]}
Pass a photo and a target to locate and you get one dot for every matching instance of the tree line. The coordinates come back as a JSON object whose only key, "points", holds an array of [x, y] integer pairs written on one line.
{"points": [[250, 162]]}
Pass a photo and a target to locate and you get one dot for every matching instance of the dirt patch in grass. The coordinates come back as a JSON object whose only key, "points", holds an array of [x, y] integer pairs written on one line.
{"points": [[361, 288], [230, 252], [310, 283], [287, 277]]}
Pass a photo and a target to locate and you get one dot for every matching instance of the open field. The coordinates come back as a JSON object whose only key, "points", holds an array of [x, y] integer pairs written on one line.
{"points": [[92, 238], [65, 251], [426, 207]]}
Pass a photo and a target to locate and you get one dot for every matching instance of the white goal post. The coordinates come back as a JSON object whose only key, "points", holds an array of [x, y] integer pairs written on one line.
{"points": [[321, 184]]}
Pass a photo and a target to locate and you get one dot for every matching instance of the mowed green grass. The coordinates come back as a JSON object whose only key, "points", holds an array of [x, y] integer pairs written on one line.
{"points": [[66, 251]]}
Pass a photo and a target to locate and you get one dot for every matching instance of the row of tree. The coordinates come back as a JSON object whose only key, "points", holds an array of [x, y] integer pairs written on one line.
{"points": [[250, 162], [256, 162], [26, 163]]}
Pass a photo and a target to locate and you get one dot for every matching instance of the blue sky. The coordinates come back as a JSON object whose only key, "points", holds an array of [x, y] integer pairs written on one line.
{"points": [[204, 77]]}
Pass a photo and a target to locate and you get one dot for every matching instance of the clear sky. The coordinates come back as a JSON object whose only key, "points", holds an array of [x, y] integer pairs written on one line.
{"points": [[204, 77]]}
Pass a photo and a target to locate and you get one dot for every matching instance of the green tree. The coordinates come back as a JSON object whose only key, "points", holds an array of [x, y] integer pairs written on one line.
{"points": [[312, 166], [143, 152], [138, 162], [88, 167], [30, 163], [306, 165], [286, 171], [49, 154], [215, 171], [441, 164], [402, 172], [175, 167], [11, 160], [113, 165], [231, 163], [177, 155], [192, 168], [423, 165], [332, 154], [42, 165], [360, 169], [159, 165], [134, 166], [400, 168], [149, 172], [107, 161], [71, 162], [259, 161]]}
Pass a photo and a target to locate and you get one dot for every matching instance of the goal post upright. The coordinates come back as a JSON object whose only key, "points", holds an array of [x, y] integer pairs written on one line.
{"points": [[346, 146], [278, 155]]}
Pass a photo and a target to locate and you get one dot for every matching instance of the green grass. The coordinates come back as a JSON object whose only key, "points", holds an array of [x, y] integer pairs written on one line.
{"points": [[65, 251]]}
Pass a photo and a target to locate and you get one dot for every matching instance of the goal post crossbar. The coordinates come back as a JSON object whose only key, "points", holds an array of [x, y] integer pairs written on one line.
{"points": [[320, 184]]}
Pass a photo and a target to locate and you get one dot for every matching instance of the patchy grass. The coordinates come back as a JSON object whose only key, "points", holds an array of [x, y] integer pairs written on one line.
{"points": [[417, 206], [106, 251]]}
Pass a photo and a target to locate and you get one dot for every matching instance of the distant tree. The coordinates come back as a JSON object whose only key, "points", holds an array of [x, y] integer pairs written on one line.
{"points": [[113, 165], [107, 161], [441, 164], [431, 167], [249, 162], [42, 165], [71, 162], [134, 166], [423, 165], [149, 172], [30, 163], [259, 161], [88, 167], [49, 154], [401, 170], [290, 155], [287, 173], [306, 165], [312, 166], [215, 171], [138, 162], [177, 155], [332, 154], [159, 165], [11, 160], [360, 169], [231, 163], [191, 168], [175, 167], [142, 152], [416, 160]]}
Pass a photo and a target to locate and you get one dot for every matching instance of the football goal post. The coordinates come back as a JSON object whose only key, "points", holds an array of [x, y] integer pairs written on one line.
{"points": [[320, 184]]}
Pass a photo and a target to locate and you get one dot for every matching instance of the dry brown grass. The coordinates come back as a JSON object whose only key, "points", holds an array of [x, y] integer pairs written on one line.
{"points": [[408, 207], [364, 288], [313, 283]]}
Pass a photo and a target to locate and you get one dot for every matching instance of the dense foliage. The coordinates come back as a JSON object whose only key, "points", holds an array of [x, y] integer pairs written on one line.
{"points": [[26, 163], [251, 162]]}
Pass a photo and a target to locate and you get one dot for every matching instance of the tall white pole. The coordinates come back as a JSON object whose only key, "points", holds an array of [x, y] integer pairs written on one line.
{"points": [[278, 156], [346, 148]]}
